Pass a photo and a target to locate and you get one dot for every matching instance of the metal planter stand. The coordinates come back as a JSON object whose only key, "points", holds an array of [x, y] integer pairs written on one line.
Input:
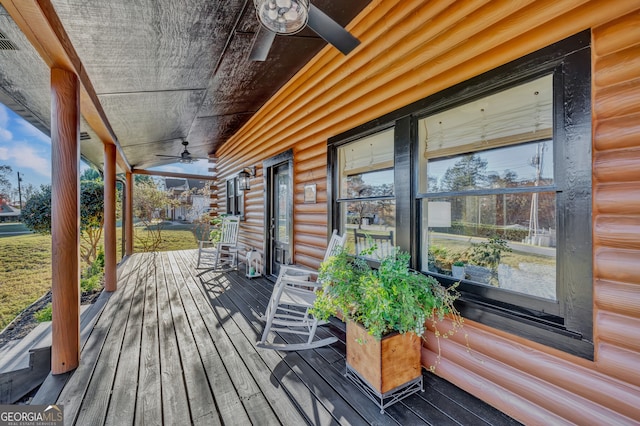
{"points": [[384, 400]]}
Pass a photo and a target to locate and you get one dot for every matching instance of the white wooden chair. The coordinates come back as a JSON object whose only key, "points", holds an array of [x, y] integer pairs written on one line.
{"points": [[293, 295], [378, 245], [224, 252]]}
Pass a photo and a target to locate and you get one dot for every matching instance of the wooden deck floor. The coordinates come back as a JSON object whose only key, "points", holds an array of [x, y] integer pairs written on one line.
{"points": [[175, 348]]}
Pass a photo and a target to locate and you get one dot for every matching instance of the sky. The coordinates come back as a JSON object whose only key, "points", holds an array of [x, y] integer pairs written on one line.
{"points": [[28, 151]]}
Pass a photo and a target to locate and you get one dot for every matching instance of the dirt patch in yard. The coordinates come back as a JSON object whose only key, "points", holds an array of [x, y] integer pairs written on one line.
{"points": [[26, 321]]}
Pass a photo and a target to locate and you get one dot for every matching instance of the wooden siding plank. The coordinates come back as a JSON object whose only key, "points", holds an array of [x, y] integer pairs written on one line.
{"points": [[619, 330], [617, 198], [220, 384], [617, 35], [554, 382], [617, 297], [622, 364], [618, 100], [617, 166], [616, 132], [618, 67], [617, 264], [617, 231]]}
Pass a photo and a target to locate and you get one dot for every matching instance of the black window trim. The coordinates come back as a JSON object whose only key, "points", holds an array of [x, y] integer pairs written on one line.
{"points": [[238, 199], [571, 332]]}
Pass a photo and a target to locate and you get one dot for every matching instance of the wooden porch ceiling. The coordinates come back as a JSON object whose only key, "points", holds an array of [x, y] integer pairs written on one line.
{"points": [[162, 70], [177, 346]]}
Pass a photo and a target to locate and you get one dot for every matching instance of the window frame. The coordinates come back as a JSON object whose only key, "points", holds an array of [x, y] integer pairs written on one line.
{"points": [[234, 203], [570, 62]]}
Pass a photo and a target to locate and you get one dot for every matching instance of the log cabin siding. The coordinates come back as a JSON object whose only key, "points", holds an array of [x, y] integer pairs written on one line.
{"points": [[413, 49]]}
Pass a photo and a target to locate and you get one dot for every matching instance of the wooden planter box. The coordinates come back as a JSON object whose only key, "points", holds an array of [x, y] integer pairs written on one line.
{"points": [[386, 365]]}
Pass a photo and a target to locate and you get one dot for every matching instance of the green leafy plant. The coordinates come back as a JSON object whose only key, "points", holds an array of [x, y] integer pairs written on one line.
{"points": [[458, 263], [488, 253], [91, 283], [392, 298], [43, 314]]}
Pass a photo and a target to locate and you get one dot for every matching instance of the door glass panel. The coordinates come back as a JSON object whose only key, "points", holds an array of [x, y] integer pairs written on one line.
{"points": [[282, 204]]}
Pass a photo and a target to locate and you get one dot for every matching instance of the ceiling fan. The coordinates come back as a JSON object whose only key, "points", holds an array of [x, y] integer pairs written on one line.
{"points": [[184, 157], [287, 17]]}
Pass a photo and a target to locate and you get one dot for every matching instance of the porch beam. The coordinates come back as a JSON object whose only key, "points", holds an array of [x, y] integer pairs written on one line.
{"points": [[41, 25], [65, 220], [173, 174], [128, 212], [110, 256]]}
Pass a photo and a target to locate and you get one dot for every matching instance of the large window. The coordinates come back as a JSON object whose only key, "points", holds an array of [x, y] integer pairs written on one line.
{"points": [[366, 199], [488, 184], [489, 193]]}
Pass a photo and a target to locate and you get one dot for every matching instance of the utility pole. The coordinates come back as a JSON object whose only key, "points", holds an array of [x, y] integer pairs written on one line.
{"points": [[19, 191]]}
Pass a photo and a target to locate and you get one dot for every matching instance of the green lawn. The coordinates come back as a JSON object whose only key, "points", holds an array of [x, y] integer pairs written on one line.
{"points": [[25, 266], [25, 273]]}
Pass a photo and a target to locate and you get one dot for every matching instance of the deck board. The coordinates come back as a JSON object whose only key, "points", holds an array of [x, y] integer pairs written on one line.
{"points": [[193, 354], [174, 390], [125, 383], [176, 345], [234, 341]]}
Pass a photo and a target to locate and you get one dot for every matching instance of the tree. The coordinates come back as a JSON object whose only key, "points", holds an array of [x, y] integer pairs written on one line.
{"points": [[467, 173], [149, 206], [36, 215], [90, 174], [27, 191], [5, 183], [91, 218]]}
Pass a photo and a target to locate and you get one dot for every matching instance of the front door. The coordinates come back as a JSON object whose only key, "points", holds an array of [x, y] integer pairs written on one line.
{"points": [[279, 215]]}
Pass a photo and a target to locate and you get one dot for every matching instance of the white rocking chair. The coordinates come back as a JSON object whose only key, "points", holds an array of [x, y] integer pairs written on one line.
{"points": [[224, 252], [293, 295]]}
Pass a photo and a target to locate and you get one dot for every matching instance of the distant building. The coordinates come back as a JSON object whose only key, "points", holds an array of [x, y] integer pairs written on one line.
{"points": [[193, 203], [8, 213]]}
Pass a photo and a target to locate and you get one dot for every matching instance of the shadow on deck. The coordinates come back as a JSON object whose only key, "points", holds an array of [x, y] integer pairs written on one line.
{"points": [[175, 347]]}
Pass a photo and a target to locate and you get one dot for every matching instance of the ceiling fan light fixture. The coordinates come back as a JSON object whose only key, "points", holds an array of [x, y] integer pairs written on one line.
{"points": [[283, 16]]}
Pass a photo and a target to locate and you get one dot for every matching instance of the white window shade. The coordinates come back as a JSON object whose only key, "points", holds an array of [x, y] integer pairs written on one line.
{"points": [[374, 152], [520, 114]]}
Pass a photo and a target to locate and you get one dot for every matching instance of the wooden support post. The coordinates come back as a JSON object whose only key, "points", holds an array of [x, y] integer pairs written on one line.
{"points": [[129, 215], [65, 220], [110, 281]]}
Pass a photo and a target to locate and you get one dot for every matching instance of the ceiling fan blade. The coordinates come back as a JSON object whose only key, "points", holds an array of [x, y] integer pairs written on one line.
{"points": [[168, 156], [262, 44], [331, 31]]}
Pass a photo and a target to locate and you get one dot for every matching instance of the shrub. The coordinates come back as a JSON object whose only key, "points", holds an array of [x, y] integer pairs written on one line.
{"points": [[43, 314], [91, 283]]}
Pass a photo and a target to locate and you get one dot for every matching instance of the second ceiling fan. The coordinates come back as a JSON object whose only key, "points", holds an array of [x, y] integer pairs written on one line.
{"points": [[291, 16]]}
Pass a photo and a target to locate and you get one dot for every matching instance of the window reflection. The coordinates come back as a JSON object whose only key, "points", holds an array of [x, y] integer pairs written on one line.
{"points": [[491, 240]]}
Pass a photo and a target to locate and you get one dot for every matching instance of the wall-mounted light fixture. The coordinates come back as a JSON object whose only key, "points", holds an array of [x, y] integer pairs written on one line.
{"points": [[244, 178]]}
